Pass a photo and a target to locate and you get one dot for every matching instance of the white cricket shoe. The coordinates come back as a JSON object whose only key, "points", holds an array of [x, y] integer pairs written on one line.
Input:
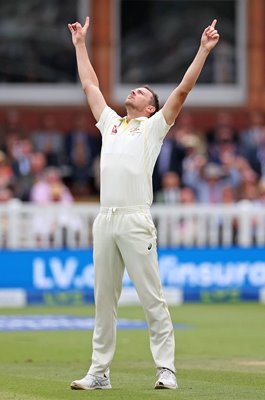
{"points": [[91, 382], [166, 379]]}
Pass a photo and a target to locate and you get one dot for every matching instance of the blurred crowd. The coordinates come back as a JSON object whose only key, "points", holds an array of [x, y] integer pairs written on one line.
{"points": [[221, 165], [46, 165]]}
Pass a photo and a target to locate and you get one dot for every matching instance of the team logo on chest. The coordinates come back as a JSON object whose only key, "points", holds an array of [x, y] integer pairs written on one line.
{"points": [[134, 131]]}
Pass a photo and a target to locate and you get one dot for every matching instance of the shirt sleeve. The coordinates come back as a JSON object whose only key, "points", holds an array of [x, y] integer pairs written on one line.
{"points": [[157, 126], [107, 118]]}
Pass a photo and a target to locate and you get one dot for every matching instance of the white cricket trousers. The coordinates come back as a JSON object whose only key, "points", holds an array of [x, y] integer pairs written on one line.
{"points": [[126, 236]]}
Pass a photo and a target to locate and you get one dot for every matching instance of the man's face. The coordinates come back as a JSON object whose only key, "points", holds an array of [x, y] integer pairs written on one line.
{"points": [[139, 99]]}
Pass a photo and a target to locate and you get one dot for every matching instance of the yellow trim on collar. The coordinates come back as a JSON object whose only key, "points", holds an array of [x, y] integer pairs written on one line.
{"points": [[134, 119]]}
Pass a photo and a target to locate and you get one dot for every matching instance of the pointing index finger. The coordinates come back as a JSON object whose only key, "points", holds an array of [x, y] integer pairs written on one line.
{"points": [[214, 23], [86, 23]]}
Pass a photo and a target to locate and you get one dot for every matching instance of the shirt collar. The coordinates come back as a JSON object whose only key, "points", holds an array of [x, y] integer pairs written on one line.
{"points": [[134, 119]]}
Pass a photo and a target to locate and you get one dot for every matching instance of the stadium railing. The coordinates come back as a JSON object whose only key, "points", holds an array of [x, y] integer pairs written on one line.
{"points": [[27, 226]]}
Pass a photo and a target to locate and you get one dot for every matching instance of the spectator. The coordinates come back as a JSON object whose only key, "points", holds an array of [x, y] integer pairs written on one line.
{"points": [[42, 192], [12, 132], [185, 126], [170, 192], [6, 172], [260, 155], [173, 150], [223, 124], [249, 179], [81, 150], [194, 160], [6, 194], [49, 140], [22, 169], [187, 196], [224, 146], [249, 191], [210, 184], [250, 138], [38, 163], [229, 195], [47, 225]]}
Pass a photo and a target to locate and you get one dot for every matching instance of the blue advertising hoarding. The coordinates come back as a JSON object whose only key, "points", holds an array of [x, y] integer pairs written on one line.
{"points": [[67, 276]]}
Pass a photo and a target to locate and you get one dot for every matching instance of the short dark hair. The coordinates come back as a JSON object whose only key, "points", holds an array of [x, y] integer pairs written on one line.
{"points": [[155, 100]]}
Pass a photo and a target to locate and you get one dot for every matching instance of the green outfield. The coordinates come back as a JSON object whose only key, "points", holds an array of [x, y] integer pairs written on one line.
{"points": [[220, 355]]}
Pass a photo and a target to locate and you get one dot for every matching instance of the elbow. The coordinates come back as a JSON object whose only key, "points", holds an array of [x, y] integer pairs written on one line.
{"points": [[87, 87], [183, 94], [184, 90], [187, 85]]}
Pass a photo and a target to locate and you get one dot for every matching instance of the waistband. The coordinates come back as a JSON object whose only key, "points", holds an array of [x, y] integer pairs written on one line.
{"points": [[123, 210], [110, 211]]}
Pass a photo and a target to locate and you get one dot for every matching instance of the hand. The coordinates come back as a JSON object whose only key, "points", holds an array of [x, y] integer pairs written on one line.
{"points": [[78, 31], [210, 36]]}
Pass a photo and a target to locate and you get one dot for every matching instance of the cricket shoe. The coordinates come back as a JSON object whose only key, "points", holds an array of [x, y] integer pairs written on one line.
{"points": [[166, 379], [91, 382]]}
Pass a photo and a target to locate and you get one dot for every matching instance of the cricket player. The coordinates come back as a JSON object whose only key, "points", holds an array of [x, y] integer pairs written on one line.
{"points": [[124, 233]]}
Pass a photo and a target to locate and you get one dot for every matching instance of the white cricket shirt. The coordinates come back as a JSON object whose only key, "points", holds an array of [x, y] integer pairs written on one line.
{"points": [[128, 155]]}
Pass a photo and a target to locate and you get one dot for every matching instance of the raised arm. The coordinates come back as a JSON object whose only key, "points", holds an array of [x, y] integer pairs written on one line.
{"points": [[86, 72], [176, 99]]}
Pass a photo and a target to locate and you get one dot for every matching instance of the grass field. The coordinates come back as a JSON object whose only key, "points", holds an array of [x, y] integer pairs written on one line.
{"points": [[220, 356]]}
